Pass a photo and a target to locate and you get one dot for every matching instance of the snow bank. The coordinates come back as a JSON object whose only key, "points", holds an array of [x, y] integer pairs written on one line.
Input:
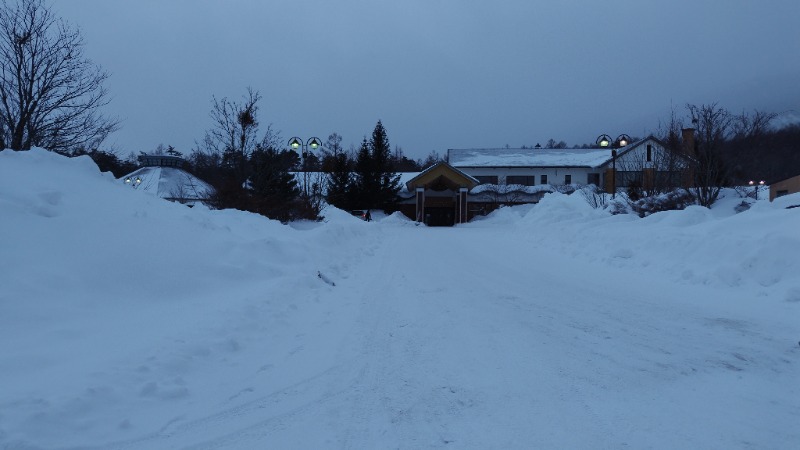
{"points": [[695, 245], [127, 321], [99, 282]]}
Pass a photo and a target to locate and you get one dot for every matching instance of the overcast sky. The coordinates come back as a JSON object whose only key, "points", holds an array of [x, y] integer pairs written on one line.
{"points": [[439, 73]]}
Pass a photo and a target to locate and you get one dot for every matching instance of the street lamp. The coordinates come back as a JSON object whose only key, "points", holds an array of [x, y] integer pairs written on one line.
{"points": [[756, 187], [604, 141], [135, 182], [296, 143]]}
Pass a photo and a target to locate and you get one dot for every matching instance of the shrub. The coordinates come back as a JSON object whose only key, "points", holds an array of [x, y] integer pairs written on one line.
{"points": [[671, 201]]}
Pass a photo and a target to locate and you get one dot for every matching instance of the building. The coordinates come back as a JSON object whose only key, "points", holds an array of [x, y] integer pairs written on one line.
{"points": [[476, 181], [784, 187], [163, 176], [644, 163], [438, 196]]}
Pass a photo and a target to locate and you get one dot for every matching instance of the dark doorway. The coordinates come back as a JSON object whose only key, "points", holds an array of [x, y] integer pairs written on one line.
{"points": [[439, 217]]}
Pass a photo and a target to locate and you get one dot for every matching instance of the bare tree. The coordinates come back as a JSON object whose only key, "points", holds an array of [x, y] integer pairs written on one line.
{"points": [[234, 134], [752, 127], [432, 159], [652, 172], [235, 125], [596, 198], [713, 127], [330, 152], [670, 133], [750, 147], [316, 197], [50, 94]]}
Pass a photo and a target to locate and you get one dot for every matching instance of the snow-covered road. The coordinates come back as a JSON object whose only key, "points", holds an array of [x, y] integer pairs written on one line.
{"points": [[463, 338]]}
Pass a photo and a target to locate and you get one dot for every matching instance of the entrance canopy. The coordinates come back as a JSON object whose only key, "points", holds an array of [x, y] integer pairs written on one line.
{"points": [[441, 176], [440, 195]]}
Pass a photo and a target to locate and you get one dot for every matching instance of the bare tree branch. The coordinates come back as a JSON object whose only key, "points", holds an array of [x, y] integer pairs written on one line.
{"points": [[50, 94]]}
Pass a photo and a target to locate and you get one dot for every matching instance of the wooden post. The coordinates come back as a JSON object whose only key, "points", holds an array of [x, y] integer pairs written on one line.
{"points": [[420, 204], [610, 181], [648, 178], [463, 205]]}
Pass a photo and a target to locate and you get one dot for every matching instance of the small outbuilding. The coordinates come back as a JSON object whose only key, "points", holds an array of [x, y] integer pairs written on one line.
{"points": [[784, 187]]}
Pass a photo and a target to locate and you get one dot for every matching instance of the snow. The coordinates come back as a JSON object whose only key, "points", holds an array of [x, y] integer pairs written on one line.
{"points": [[528, 157], [130, 322], [169, 182]]}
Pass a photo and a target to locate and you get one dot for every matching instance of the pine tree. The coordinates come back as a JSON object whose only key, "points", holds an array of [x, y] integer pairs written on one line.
{"points": [[375, 181], [340, 181], [387, 181], [365, 183], [273, 189]]}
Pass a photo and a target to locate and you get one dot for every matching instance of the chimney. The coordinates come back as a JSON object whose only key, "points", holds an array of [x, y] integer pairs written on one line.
{"points": [[687, 136]]}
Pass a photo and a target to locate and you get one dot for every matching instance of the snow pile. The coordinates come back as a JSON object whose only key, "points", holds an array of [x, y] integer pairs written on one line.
{"points": [[130, 322], [696, 245], [102, 286]]}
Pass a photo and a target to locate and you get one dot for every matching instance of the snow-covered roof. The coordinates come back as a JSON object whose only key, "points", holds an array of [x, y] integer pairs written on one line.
{"points": [[528, 157], [444, 168], [170, 183], [539, 157]]}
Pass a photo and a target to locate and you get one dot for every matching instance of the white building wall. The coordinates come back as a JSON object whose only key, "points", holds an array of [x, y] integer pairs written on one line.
{"points": [[636, 159], [632, 159], [555, 176]]}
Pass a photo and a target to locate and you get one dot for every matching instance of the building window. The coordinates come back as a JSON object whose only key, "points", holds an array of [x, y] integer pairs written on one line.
{"points": [[487, 179], [593, 178], [782, 193], [567, 179], [524, 180], [649, 153], [544, 179]]}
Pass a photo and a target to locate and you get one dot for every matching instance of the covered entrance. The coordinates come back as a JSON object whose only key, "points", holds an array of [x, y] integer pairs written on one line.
{"points": [[440, 196], [439, 217]]}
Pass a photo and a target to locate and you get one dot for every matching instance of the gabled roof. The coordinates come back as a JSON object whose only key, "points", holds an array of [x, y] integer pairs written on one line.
{"points": [[442, 173], [536, 157], [631, 147]]}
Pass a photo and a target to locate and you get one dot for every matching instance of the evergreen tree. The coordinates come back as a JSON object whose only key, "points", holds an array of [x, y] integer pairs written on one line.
{"points": [[386, 180], [376, 183], [272, 188], [229, 190], [340, 181], [364, 192]]}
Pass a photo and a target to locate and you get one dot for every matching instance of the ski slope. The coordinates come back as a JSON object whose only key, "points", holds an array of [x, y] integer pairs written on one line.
{"points": [[127, 322]]}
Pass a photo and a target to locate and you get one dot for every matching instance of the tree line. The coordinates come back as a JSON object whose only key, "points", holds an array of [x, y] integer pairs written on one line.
{"points": [[253, 171], [731, 149]]}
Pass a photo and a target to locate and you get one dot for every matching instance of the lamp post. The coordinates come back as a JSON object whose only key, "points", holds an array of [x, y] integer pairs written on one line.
{"points": [[604, 141], [297, 143], [756, 187], [137, 181]]}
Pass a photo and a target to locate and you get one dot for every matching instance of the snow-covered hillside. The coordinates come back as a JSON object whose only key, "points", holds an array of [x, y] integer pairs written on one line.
{"points": [[128, 322]]}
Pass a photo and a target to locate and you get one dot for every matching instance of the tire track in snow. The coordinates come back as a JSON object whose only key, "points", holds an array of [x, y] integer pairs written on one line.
{"points": [[261, 418], [367, 421]]}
